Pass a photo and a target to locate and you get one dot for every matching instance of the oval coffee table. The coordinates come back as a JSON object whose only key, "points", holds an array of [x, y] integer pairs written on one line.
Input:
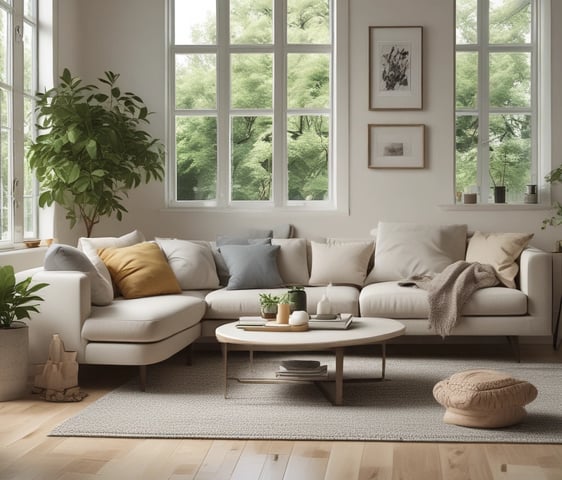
{"points": [[363, 331]]}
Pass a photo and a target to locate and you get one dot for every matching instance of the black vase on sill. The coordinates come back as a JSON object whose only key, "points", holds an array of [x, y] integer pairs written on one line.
{"points": [[499, 194]]}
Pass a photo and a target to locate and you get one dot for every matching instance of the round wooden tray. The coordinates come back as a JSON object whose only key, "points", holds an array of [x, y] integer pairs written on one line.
{"points": [[277, 327]]}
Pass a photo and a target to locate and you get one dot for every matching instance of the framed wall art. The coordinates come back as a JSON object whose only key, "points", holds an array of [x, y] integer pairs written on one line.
{"points": [[396, 146], [395, 68]]}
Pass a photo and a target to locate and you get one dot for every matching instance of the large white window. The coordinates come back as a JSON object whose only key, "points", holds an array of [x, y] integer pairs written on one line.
{"points": [[253, 104], [18, 85], [498, 78]]}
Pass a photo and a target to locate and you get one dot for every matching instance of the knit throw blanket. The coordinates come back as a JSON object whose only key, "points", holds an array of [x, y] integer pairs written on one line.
{"points": [[448, 291]]}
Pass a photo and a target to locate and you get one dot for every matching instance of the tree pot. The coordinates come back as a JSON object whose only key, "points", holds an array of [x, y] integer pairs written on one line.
{"points": [[14, 345], [499, 194]]}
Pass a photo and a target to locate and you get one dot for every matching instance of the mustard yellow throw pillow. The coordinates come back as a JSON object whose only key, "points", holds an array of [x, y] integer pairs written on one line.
{"points": [[140, 270]]}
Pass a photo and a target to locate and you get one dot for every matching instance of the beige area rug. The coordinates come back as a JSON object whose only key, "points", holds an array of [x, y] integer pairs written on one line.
{"points": [[187, 402]]}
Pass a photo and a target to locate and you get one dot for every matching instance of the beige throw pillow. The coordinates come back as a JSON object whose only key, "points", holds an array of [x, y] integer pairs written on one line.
{"points": [[501, 250], [292, 260], [341, 263], [90, 246], [407, 249]]}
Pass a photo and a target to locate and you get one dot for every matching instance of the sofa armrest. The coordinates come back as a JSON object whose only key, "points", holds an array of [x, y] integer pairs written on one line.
{"points": [[535, 281], [65, 307]]}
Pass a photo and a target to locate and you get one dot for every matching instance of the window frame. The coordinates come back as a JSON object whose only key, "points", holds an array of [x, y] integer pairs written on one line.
{"points": [[338, 164], [539, 109], [15, 88]]}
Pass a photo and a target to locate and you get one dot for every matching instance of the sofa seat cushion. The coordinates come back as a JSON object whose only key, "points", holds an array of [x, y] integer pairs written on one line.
{"points": [[147, 319], [388, 299], [232, 304]]}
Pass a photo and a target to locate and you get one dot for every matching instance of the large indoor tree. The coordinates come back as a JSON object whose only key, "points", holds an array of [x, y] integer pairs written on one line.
{"points": [[92, 149]]}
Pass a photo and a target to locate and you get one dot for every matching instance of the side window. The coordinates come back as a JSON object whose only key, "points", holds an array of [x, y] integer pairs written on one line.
{"points": [[18, 85], [496, 98]]}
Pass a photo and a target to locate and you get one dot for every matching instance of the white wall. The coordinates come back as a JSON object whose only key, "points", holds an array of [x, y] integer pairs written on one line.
{"points": [[128, 37]]}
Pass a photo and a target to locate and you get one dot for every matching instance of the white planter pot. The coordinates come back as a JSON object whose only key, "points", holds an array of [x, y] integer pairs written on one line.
{"points": [[14, 345]]}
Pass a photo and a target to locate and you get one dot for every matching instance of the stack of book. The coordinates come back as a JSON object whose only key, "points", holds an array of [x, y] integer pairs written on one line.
{"points": [[251, 322], [340, 321], [301, 368]]}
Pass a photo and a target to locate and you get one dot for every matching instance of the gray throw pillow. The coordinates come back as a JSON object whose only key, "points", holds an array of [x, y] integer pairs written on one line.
{"points": [[242, 240], [222, 269], [251, 266], [66, 258]]}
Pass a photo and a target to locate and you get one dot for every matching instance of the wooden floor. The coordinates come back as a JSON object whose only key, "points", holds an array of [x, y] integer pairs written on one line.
{"points": [[27, 453]]}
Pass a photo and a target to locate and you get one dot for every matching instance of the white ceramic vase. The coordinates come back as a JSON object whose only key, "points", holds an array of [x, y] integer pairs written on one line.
{"points": [[14, 345]]}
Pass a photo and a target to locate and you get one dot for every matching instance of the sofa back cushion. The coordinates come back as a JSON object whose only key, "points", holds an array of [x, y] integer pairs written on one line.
{"points": [[192, 263], [404, 250], [292, 260], [343, 263]]}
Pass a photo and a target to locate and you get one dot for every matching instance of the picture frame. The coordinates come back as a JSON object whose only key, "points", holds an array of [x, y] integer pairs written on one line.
{"points": [[396, 146], [395, 68]]}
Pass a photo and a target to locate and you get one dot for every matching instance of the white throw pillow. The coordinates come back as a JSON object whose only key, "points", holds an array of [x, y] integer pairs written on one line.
{"points": [[407, 249], [90, 246], [192, 263], [292, 260], [501, 250], [340, 263]]}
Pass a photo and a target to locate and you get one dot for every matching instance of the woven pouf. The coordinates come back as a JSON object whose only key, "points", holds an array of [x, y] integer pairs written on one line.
{"points": [[484, 398]]}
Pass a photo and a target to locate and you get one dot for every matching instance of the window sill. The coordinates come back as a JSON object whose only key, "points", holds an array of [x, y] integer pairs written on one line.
{"points": [[494, 207]]}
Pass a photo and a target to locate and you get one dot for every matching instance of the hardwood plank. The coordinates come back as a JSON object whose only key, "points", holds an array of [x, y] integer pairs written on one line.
{"points": [[344, 461], [462, 461], [376, 462], [220, 460], [416, 460], [308, 461]]}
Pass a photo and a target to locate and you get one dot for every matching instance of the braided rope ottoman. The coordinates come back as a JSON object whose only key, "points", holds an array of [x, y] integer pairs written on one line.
{"points": [[484, 398]]}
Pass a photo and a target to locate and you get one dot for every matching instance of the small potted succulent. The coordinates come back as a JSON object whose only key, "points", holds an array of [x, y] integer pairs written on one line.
{"points": [[17, 301], [268, 305]]}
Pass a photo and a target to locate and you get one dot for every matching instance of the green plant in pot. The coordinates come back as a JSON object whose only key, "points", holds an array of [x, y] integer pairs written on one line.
{"points": [[92, 148], [499, 165], [17, 301], [268, 305], [554, 177]]}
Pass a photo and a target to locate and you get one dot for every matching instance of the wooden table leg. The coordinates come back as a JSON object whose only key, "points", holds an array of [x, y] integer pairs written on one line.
{"points": [[383, 360], [339, 376], [224, 348]]}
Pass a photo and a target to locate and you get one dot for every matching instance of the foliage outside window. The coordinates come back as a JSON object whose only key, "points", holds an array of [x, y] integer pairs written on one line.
{"points": [[496, 97], [252, 103], [18, 84]]}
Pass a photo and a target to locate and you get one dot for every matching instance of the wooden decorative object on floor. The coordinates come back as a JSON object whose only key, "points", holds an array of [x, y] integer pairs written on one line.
{"points": [[59, 380]]}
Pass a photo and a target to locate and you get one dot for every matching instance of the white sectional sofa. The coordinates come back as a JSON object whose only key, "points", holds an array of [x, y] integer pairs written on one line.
{"points": [[146, 330]]}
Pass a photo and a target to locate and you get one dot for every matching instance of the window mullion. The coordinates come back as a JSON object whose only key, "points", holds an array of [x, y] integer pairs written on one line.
{"points": [[17, 120], [223, 105], [483, 101], [280, 169]]}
